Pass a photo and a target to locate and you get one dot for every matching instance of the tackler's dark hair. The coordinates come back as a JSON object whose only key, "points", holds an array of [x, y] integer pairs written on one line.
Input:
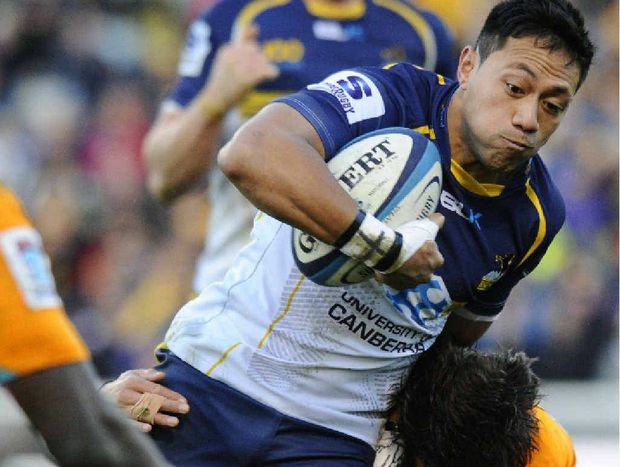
{"points": [[461, 408], [557, 25]]}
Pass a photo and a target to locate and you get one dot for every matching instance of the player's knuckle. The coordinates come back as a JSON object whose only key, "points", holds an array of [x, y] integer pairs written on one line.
{"points": [[125, 396], [134, 380], [126, 374]]}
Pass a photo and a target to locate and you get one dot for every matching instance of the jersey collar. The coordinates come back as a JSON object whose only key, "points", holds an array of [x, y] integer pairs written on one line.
{"points": [[336, 10], [471, 184]]}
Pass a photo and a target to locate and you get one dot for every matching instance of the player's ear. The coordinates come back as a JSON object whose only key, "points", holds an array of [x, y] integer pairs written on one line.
{"points": [[468, 61]]}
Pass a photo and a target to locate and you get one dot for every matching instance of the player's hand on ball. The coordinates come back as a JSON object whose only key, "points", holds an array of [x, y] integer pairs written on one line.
{"points": [[419, 268], [129, 387]]}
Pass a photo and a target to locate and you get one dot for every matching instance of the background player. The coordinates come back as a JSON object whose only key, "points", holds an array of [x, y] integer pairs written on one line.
{"points": [[240, 55], [45, 364]]}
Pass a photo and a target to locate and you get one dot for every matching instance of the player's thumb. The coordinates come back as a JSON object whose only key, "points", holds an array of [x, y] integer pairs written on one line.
{"points": [[437, 218], [247, 33]]}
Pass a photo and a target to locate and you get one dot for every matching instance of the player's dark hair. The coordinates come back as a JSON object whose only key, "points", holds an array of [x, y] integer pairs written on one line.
{"points": [[461, 408], [557, 25]]}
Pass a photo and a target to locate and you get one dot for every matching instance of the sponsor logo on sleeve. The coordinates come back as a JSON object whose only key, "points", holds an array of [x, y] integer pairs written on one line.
{"points": [[358, 96], [30, 267]]}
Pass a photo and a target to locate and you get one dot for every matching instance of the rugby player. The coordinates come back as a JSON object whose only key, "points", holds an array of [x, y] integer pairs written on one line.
{"points": [[45, 364], [271, 375], [460, 407]]}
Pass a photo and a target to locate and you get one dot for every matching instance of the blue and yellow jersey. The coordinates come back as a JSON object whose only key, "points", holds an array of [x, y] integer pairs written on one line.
{"points": [[310, 39], [35, 333], [493, 235]]}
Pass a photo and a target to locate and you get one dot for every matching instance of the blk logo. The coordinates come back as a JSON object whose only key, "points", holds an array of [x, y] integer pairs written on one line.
{"points": [[449, 202]]}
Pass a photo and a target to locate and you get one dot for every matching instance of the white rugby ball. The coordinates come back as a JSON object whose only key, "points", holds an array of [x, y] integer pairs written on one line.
{"points": [[393, 174]]}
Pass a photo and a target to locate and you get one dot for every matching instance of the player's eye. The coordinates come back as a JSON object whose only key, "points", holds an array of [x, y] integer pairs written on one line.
{"points": [[514, 89], [554, 109]]}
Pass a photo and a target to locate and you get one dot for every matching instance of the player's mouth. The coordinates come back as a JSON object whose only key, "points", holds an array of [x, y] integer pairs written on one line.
{"points": [[517, 145]]}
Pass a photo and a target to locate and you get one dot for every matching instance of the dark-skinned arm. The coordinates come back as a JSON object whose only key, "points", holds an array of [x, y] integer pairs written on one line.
{"points": [[277, 161], [79, 426], [462, 331]]}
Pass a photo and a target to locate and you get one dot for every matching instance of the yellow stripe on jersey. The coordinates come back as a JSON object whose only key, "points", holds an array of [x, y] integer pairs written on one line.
{"points": [[283, 314], [426, 130], [471, 184], [440, 78], [329, 9], [542, 221], [420, 25], [222, 358], [252, 10], [162, 346], [256, 100]]}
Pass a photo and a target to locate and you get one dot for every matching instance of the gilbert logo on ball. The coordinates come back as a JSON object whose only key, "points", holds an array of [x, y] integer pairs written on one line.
{"points": [[392, 173]]}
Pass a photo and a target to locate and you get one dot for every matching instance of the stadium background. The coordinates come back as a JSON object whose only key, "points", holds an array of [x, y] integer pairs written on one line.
{"points": [[80, 83]]}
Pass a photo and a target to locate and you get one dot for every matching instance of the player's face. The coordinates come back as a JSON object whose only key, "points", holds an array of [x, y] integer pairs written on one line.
{"points": [[512, 103]]}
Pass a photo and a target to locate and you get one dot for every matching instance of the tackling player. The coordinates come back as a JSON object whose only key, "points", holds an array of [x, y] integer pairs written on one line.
{"points": [[45, 364], [460, 408]]}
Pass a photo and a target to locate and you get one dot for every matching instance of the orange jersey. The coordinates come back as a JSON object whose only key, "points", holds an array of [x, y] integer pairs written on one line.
{"points": [[35, 332], [555, 447]]}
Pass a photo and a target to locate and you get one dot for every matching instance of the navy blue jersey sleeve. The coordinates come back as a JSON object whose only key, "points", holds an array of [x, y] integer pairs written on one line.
{"points": [[353, 102]]}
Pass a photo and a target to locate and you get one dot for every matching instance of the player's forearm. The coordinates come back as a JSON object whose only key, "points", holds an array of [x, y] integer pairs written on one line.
{"points": [[63, 403], [275, 161], [181, 147], [463, 332]]}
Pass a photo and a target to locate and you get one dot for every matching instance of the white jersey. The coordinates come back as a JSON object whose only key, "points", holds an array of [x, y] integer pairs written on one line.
{"points": [[228, 227], [230, 217], [331, 356]]}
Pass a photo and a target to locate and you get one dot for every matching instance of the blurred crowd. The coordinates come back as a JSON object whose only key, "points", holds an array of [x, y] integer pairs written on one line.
{"points": [[80, 83]]}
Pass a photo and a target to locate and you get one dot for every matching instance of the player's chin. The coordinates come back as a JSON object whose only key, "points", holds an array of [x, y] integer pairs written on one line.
{"points": [[507, 162]]}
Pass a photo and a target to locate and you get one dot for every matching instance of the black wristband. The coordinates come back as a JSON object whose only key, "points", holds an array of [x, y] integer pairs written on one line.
{"points": [[351, 230], [392, 426], [392, 255]]}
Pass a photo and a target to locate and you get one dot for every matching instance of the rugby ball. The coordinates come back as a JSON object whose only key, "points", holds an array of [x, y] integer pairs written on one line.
{"points": [[392, 173]]}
